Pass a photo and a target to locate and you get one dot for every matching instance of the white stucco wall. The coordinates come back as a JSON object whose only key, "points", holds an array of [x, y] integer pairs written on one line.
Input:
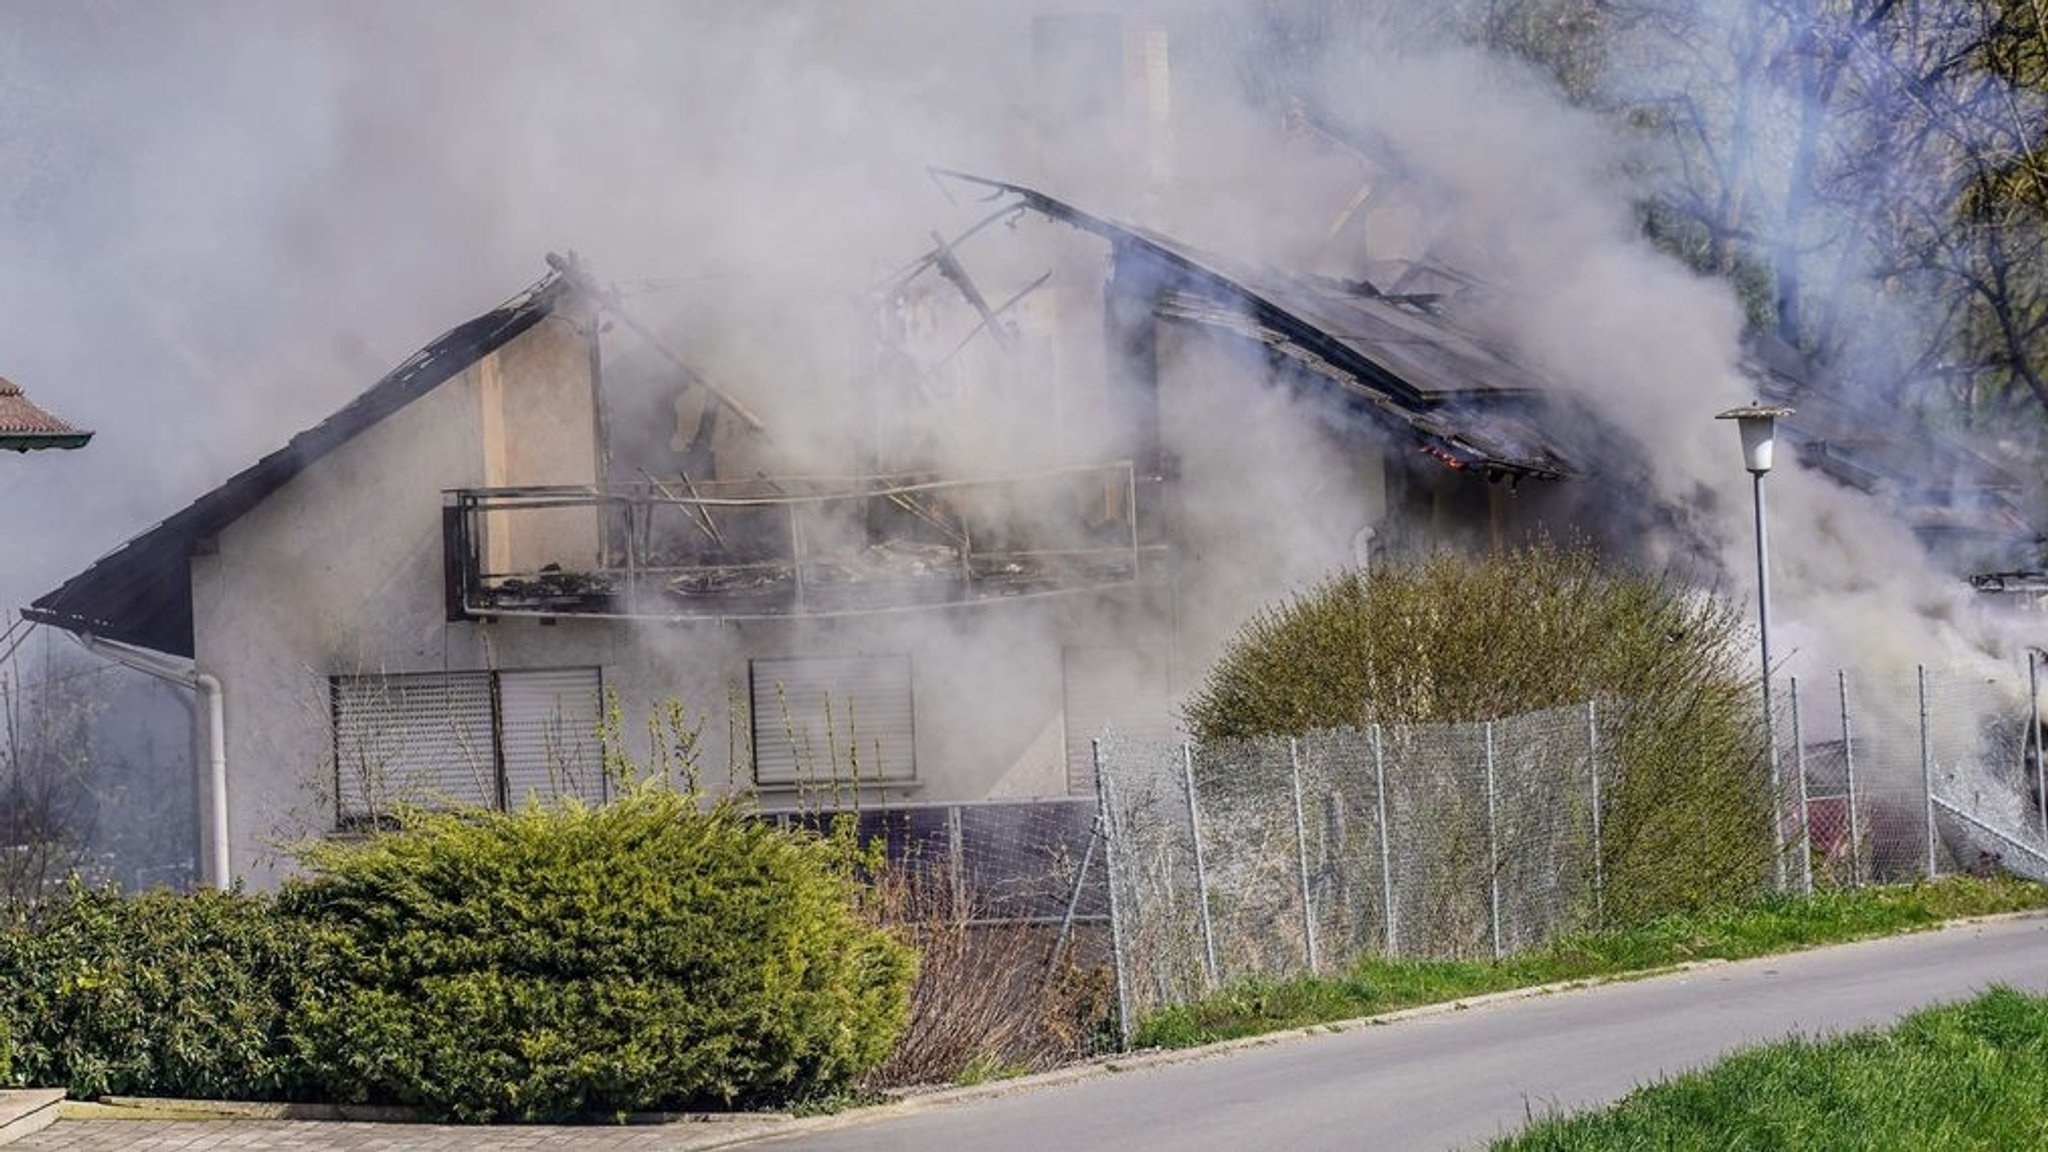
{"points": [[340, 572]]}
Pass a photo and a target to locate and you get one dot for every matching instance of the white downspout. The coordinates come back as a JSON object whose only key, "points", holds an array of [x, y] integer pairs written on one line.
{"points": [[213, 809], [213, 824]]}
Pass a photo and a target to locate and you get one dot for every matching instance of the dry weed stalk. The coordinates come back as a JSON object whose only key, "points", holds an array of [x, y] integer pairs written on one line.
{"points": [[988, 1001]]}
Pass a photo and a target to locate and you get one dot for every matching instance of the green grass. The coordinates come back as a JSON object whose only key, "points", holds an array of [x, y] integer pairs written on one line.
{"points": [[1965, 1076], [1774, 924]]}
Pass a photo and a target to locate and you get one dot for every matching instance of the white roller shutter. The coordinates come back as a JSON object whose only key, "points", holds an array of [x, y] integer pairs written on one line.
{"points": [[820, 718], [549, 734], [421, 739], [1120, 690]]}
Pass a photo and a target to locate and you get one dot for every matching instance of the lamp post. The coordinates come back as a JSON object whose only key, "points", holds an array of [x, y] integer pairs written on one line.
{"points": [[1758, 425]]}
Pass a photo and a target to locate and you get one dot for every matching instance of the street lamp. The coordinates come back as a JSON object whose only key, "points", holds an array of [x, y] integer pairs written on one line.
{"points": [[1758, 424]]}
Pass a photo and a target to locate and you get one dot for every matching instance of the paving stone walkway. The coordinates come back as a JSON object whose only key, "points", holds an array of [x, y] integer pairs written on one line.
{"points": [[345, 1136]]}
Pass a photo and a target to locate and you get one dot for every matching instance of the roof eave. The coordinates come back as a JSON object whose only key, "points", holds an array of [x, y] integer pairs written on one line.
{"points": [[37, 441]]}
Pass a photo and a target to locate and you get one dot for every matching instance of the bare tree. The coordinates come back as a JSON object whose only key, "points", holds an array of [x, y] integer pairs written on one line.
{"points": [[48, 811]]}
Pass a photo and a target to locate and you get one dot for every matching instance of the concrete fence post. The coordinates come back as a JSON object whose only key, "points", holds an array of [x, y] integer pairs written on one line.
{"points": [[1379, 769], [1105, 814], [1187, 769], [1805, 812], [1493, 845], [1308, 908], [1849, 771]]}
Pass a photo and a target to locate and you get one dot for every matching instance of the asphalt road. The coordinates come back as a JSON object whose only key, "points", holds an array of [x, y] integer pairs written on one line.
{"points": [[1458, 1079]]}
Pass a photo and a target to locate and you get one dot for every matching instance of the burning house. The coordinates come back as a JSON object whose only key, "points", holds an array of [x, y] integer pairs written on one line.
{"points": [[429, 595]]}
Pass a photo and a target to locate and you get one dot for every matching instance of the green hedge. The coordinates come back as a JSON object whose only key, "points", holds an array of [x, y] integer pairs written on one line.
{"points": [[1455, 639], [564, 960], [157, 994]]}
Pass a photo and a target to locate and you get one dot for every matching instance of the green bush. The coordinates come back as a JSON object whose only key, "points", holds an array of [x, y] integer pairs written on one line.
{"points": [[6, 1055], [1449, 639], [159, 994], [564, 960]]}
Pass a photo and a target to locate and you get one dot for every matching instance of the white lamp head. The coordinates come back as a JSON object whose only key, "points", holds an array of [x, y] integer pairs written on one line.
{"points": [[1758, 425]]}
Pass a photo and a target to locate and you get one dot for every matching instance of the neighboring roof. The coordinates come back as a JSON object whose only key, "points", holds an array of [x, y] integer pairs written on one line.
{"points": [[1397, 362], [141, 593], [23, 426]]}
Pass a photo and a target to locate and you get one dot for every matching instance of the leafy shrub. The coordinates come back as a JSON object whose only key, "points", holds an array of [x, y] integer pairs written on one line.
{"points": [[566, 960], [157, 994], [6, 1054], [1687, 812]]}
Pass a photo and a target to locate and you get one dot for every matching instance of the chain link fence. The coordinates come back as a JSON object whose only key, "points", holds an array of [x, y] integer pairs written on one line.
{"points": [[1285, 857], [1279, 857], [1199, 865]]}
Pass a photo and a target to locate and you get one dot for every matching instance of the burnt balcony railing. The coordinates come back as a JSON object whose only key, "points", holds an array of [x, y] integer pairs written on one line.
{"points": [[793, 547]]}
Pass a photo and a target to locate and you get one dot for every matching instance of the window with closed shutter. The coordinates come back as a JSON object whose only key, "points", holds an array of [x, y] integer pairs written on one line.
{"points": [[548, 734], [464, 739], [820, 719], [418, 739]]}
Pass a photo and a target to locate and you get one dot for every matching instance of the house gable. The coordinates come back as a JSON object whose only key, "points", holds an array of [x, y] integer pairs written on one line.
{"points": [[141, 593]]}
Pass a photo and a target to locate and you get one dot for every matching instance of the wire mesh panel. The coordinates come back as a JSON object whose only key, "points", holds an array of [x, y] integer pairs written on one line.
{"points": [[1349, 860], [1543, 785], [1438, 831], [1250, 857], [1891, 792], [1151, 853], [1987, 771], [1025, 861]]}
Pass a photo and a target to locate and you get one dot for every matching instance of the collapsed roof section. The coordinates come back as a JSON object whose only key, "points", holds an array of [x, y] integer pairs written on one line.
{"points": [[25, 427], [1393, 360], [141, 593]]}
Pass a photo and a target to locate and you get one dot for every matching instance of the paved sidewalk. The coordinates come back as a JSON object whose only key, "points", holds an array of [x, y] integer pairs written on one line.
{"points": [[346, 1136]]}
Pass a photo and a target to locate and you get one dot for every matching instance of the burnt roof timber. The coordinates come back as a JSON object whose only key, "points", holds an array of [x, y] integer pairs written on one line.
{"points": [[1429, 413], [141, 592]]}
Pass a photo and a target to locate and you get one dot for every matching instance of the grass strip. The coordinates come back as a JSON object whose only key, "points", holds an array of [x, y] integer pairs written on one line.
{"points": [[1965, 1076], [1769, 925]]}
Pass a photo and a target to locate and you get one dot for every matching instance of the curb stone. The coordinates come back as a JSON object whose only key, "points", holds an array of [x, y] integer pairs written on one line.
{"points": [[26, 1110]]}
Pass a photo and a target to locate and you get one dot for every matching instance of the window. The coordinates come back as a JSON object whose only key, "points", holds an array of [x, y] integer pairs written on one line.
{"points": [[820, 719], [464, 739]]}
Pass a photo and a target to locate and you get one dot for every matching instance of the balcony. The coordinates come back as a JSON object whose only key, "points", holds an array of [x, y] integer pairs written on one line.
{"points": [[807, 546]]}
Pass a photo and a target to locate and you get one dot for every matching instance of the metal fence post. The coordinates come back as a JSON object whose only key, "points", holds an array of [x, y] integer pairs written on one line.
{"points": [[1593, 772], [957, 869], [1104, 810], [1849, 771], [2034, 730], [1805, 812], [1308, 910], [1492, 845], [1187, 768], [1379, 769], [1059, 944], [1926, 770]]}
